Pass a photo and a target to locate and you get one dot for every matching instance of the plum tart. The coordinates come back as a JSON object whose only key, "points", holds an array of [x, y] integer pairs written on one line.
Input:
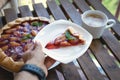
{"points": [[14, 39]]}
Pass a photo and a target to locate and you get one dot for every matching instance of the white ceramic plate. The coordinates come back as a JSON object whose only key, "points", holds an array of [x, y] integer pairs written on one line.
{"points": [[54, 65], [66, 54]]}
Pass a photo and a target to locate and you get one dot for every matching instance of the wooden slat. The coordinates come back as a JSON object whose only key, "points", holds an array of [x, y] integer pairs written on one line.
{"points": [[117, 13], [71, 11], [98, 5], [112, 43], [10, 14], [112, 70], [5, 75], [108, 37], [40, 10], [91, 71], [25, 11], [52, 75], [55, 10], [70, 72], [82, 5], [1, 22]]}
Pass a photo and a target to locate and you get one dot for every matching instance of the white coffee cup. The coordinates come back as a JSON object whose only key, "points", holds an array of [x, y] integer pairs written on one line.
{"points": [[95, 22]]}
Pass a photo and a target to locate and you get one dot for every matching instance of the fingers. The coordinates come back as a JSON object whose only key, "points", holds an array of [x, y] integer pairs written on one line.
{"points": [[35, 51], [38, 50], [27, 53], [25, 57], [38, 46], [31, 47]]}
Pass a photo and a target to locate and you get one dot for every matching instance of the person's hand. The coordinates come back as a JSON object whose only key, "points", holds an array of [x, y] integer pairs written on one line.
{"points": [[34, 55]]}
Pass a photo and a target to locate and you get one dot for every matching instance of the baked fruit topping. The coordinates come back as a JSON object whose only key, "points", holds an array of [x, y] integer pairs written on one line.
{"points": [[69, 38]]}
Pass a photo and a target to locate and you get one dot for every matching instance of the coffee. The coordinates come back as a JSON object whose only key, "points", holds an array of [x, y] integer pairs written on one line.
{"points": [[94, 20]]}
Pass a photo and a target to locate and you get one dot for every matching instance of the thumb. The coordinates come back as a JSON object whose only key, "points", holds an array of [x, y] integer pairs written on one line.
{"points": [[38, 46]]}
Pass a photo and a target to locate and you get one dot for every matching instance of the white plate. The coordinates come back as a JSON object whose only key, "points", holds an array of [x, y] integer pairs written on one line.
{"points": [[54, 65], [66, 54]]}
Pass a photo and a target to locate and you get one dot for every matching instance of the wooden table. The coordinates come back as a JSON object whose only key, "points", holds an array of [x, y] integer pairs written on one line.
{"points": [[102, 59]]}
